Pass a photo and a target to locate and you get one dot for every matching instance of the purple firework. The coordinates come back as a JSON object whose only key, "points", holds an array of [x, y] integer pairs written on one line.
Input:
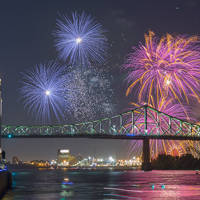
{"points": [[168, 107], [166, 67]]}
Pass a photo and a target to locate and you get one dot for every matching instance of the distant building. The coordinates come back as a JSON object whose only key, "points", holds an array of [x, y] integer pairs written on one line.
{"points": [[79, 157], [16, 160], [64, 158], [40, 163]]}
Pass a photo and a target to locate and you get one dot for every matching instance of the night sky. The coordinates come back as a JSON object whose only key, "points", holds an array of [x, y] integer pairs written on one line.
{"points": [[26, 39]]}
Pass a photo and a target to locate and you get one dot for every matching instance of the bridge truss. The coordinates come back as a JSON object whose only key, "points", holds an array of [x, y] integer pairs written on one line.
{"points": [[140, 123]]}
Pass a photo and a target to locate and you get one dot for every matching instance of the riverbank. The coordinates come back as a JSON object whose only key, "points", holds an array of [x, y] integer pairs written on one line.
{"points": [[168, 162], [117, 168], [5, 181]]}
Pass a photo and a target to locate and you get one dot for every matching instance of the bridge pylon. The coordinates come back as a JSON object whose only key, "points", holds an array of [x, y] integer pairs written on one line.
{"points": [[146, 164]]}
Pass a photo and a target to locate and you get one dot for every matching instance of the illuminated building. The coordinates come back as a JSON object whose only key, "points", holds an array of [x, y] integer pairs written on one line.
{"points": [[64, 158], [40, 163]]}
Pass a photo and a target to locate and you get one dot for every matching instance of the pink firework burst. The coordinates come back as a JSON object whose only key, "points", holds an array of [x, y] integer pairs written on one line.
{"points": [[169, 66], [168, 107]]}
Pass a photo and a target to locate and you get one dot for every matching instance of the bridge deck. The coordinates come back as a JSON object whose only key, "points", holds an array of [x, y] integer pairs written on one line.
{"points": [[100, 136]]}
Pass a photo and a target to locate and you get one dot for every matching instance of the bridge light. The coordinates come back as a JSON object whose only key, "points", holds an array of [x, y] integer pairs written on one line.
{"points": [[163, 187], [10, 135]]}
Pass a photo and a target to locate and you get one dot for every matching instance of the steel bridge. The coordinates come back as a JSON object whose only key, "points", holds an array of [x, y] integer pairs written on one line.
{"points": [[142, 123]]}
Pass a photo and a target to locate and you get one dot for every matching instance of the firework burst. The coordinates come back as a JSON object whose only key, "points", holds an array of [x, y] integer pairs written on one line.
{"points": [[92, 96], [165, 106], [166, 67], [42, 91], [80, 39], [176, 149]]}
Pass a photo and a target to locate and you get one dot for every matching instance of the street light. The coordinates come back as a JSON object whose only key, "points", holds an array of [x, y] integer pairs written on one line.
{"points": [[111, 159]]}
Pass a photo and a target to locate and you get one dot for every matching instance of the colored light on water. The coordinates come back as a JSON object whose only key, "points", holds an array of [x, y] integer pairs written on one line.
{"points": [[14, 184], [122, 196], [64, 186], [2, 170], [153, 187], [67, 183], [66, 179], [163, 187]]}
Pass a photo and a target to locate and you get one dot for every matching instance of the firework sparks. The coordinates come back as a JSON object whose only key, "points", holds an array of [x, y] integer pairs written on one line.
{"points": [[194, 148], [168, 107], [92, 98], [166, 67], [176, 149], [80, 39], [43, 90]]}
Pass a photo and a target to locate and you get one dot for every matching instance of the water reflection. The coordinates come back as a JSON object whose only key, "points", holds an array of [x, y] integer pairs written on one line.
{"points": [[104, 185], [67, 190]]}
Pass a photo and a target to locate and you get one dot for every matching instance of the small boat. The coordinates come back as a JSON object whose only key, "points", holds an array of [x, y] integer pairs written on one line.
{"points": [[66, 179]]}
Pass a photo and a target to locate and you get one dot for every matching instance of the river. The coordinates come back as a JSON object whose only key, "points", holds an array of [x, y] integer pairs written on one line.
{"points": [[46, 184]]}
